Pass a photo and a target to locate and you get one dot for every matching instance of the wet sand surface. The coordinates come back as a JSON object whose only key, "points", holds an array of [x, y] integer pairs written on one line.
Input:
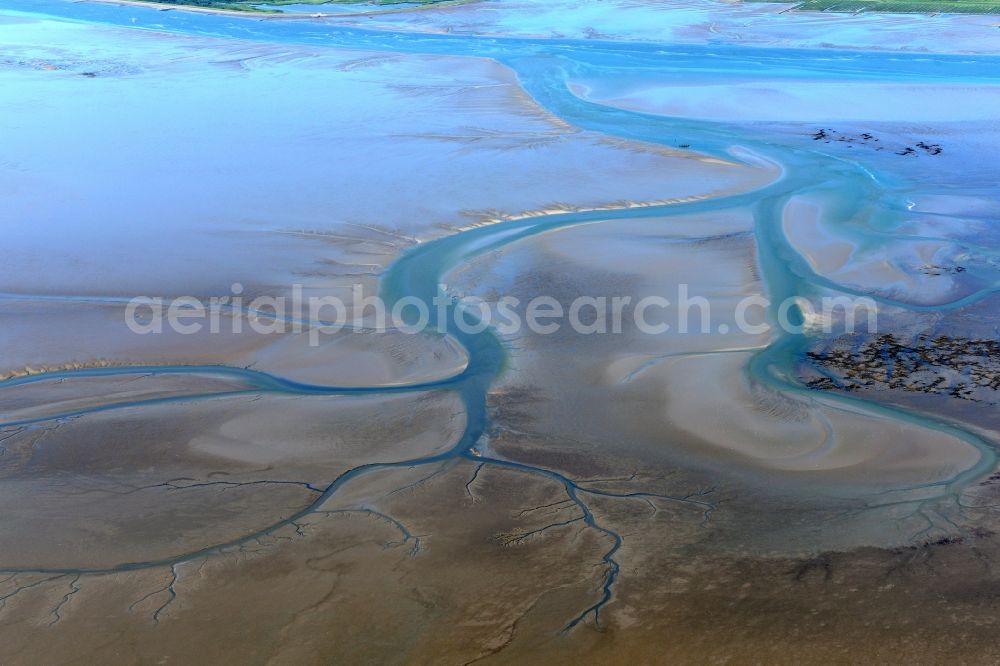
{"points": [[712, 496]]}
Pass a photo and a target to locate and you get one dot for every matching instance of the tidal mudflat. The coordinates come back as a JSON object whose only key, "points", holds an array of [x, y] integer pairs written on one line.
{"points": [[794, 485]]}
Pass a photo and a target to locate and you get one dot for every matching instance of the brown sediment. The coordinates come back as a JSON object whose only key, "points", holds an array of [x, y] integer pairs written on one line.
{"points": [[346, 582]]}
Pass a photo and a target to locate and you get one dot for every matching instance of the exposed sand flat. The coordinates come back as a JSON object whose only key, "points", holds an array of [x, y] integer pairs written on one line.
{"points": [[372, 358], [71, 395], [35, 343], [709, 398], [164, 480], [688, 495], [794, 98], [804, 230], [712, 603], [954, 205], [685, 397], [906, 270], [297, 201]]}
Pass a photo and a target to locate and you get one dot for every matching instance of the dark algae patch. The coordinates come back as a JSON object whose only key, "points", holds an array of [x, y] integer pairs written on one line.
{"points": [[964, 368], [869, 140]]}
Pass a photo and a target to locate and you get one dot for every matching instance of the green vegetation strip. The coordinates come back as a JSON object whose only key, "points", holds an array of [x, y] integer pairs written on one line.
{"points": [[899, 6], [275, 5]]}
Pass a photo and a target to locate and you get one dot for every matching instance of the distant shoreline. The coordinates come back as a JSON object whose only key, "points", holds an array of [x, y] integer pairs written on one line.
{"points": [[271, 15], [201, 10], [924, 7]]}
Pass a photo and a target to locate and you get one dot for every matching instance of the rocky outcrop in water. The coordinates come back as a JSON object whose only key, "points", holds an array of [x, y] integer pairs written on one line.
{"points": [[869, 140]]}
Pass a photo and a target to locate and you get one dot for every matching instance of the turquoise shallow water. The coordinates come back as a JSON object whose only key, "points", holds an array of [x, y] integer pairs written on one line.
{"points": [[854, 192]]}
